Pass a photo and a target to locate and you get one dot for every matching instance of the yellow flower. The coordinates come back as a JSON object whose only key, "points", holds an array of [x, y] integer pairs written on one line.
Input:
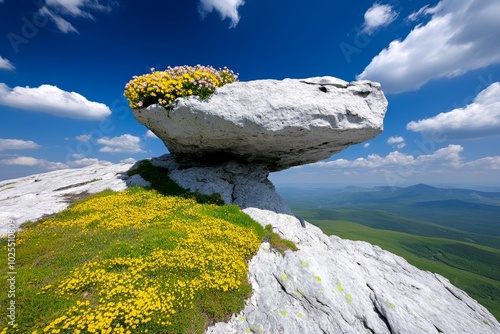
{"points": [[176, 82]]}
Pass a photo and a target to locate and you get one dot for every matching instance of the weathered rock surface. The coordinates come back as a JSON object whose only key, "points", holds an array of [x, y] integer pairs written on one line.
{"points": [[339, 286], [276, 123], [330, 285], [32, 197]]}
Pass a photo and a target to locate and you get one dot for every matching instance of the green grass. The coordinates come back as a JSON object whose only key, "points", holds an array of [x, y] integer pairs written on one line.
{"points": [[158, 177], [470, 267], [122, 256]]}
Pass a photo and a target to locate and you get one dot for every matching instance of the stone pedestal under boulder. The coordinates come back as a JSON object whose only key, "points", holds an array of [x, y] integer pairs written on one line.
{"points": [[246, 185], [276, 123]]}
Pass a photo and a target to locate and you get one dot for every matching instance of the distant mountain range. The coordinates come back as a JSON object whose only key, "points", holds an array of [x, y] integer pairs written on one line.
{"points": [[420, 192], [466, 210]]}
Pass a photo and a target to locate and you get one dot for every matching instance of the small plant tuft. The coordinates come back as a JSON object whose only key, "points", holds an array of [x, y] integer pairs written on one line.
{"points": [[278, 243]]}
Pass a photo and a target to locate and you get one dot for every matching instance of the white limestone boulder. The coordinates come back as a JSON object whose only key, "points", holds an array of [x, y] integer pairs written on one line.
{"points": [[276, 123], [332, 285]]}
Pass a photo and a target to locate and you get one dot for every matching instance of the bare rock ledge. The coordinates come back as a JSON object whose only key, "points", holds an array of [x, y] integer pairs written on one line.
{"points": [[276, 123]]}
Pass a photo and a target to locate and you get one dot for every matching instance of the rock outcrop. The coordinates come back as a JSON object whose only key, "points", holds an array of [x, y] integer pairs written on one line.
{"points": [[276, 123], [329, 285], [228, 144]]}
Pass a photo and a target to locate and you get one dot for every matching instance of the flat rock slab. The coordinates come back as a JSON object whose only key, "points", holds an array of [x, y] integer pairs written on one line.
{"points": [[276, 123]]}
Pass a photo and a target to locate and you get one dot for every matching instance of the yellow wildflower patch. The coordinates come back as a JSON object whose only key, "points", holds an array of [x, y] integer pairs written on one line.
{"points": [[126, 209], [163, 87], [156, 285]]}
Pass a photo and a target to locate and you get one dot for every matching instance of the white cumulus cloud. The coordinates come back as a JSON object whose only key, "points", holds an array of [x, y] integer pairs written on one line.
{"points": [[398, 141], [83, 138], [226, 8], [478, 119], [82, 162], [30, 161], [52, 100], [5, 64], [395, 140], [378, 16], [449, 156], [17, 144], [123, 144], [459, 37], [128, 161], [445, 165], [489, 163]]}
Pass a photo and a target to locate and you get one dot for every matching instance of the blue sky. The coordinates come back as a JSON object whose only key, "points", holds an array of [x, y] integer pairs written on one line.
{"points": [[64, 65]]}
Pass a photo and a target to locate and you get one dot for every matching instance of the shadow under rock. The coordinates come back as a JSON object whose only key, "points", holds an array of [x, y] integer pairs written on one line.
{"points": [[244, 184]]}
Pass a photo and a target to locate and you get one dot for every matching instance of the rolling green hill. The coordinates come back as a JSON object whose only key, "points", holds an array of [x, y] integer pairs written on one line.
{"points": [[467, 210], [384, 220]]}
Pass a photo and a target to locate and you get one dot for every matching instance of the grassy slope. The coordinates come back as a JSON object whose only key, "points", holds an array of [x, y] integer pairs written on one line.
{"points": [[134, 261], [451, 213], [381, 219], [470, 267], [61, 265]]}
